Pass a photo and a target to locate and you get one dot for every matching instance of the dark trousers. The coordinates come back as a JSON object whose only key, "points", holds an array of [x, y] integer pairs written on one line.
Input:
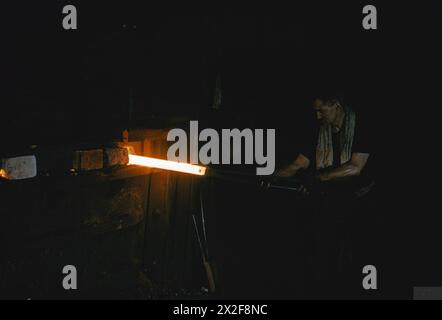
{"points": [[338, 252]]}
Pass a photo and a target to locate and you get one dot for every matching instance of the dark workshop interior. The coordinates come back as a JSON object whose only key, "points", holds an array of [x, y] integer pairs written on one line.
{"points": [[77, 104]]}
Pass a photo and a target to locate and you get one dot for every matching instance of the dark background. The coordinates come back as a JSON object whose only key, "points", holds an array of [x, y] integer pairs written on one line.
{"points": [[270, 64], [130, 66]]}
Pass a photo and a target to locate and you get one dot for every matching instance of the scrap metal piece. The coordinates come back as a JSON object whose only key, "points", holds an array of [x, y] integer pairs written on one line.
{"points": [[85, 160], [18, 168], [116, 157]]}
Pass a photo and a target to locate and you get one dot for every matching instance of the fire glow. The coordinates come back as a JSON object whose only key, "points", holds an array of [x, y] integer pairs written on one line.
{"points": [[166, 165], [3, 174]]}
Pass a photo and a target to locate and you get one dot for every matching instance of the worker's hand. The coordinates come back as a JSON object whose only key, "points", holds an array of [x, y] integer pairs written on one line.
{"points": [[283, 173], [323, 175], [303, 190], [310, 183]]}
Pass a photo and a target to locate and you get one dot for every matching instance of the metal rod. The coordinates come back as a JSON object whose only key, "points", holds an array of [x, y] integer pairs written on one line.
{"points": [[203, 222], [198, 237]]}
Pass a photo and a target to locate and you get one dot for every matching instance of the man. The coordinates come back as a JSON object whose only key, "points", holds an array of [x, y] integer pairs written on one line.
{"points": [[341, 150], [339, 162]]}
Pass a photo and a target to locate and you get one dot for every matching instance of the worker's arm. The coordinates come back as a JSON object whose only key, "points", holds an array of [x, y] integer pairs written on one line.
{"points": [[301, 162], [351, 169]]}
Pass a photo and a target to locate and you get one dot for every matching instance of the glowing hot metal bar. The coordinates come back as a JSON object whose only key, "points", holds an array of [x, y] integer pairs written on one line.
{"points": [[167, 165]]}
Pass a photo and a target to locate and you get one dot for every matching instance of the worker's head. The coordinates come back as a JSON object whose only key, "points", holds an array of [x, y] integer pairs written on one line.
{"points": [[327, 109]]}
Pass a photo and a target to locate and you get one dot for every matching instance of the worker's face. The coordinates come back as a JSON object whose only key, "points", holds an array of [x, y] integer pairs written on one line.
{"points": [[326, 113]]}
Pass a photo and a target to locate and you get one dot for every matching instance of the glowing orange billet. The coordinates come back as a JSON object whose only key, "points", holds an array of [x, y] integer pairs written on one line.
{"points": [[166, 165]]}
